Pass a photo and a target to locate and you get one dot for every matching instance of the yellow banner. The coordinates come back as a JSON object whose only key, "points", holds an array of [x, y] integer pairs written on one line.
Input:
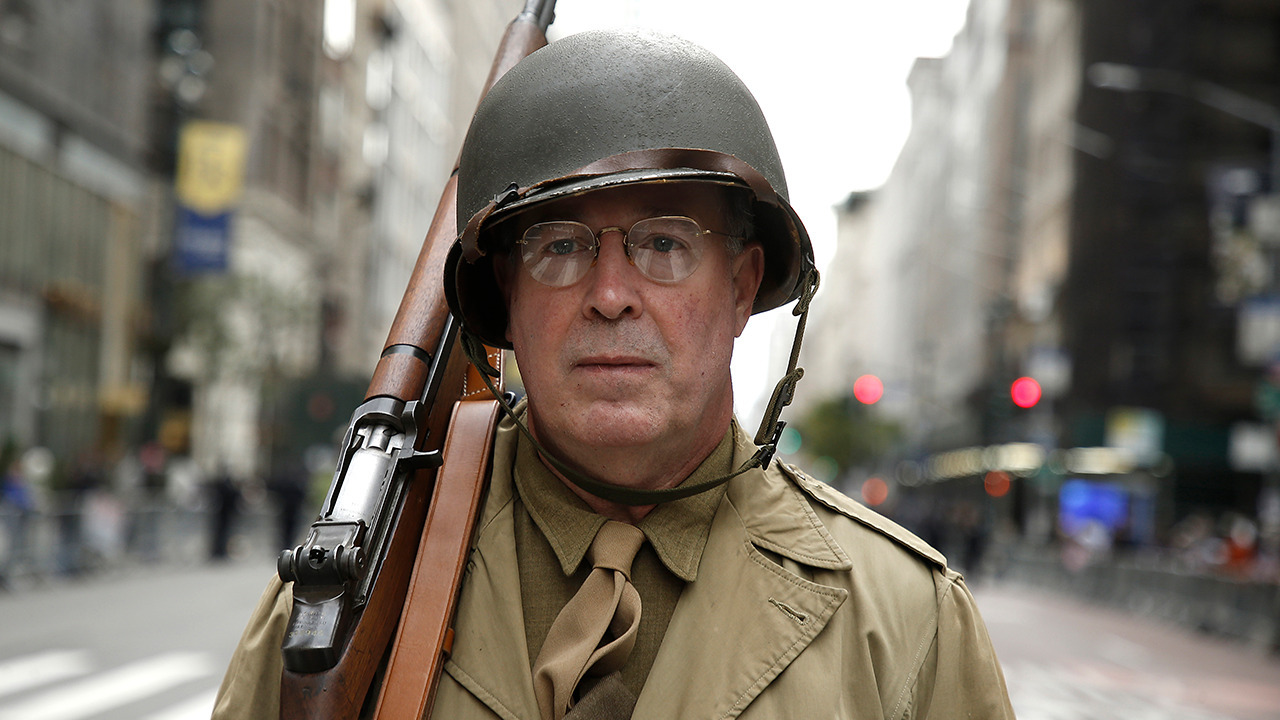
{"points": [[210, 171]]}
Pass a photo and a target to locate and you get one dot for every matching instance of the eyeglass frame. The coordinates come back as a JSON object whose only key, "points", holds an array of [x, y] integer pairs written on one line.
{"points": [[627, 246]]}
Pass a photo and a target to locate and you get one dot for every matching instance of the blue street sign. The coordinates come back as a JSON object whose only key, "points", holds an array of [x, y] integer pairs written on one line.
{"points": [[200, 242]]}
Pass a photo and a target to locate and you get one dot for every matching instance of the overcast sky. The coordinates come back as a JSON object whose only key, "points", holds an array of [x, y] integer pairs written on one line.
{"points": [[830, 76]]}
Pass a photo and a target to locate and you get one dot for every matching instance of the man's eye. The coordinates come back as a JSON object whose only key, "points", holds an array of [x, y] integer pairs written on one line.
{"points": [[567, 246], [663, 243]]}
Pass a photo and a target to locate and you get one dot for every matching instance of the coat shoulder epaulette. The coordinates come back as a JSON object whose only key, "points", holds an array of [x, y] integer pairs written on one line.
{"points": [[836, 501]]}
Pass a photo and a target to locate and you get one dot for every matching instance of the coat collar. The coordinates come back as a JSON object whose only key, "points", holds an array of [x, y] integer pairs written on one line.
{"points": [[737, 587], [778, 517]]}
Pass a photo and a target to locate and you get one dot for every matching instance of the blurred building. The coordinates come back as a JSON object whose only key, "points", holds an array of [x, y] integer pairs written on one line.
{"points": [[133, 308], [1107, 230], [77, 210], [919, 268], [846, 329], [1155, 296], [422, 84]]}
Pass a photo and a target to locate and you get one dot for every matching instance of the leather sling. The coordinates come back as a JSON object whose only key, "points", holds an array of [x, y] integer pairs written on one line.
{"points": [[408, 690]]}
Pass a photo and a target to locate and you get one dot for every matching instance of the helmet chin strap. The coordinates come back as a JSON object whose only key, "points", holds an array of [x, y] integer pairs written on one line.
{"points": [[766, 437], [770, 426]]}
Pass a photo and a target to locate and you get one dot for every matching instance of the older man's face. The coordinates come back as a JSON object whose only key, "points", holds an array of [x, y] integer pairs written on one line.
{"points": [[617, 360]]}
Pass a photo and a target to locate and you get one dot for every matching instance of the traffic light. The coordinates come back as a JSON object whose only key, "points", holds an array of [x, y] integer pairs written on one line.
{"points": [[996, 483], [868, 389], [1025, 392], [875, 491]]}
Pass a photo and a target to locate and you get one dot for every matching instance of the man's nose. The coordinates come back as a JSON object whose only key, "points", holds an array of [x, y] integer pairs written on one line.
{"points": [[612, 290]]}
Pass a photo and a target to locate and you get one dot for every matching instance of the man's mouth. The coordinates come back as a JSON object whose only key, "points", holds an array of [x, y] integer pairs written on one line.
{"points": [[612, 362]]}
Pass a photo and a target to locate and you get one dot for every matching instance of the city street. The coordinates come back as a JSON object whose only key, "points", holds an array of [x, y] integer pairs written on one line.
{"points": [[147, 644], [151, 644], [1064, 660]]}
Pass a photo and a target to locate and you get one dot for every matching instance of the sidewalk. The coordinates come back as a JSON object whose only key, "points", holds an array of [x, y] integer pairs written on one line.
{"points": [[1069, 659], [1243, 611], [107, 538]]}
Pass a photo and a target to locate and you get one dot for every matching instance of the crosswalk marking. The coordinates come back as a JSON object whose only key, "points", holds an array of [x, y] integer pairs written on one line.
{"points": [[41, 669], [199, 707], [84, 698]]}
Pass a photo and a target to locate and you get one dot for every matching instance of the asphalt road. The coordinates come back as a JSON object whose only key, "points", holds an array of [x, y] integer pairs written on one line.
{"points": [[152, 644], [143, 644]]}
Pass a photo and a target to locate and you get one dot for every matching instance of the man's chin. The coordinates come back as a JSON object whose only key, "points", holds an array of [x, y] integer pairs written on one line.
{"points": [[613, 425]]}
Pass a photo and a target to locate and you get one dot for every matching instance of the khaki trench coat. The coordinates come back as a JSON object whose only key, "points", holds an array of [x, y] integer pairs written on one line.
{"points": [[806, 605]]}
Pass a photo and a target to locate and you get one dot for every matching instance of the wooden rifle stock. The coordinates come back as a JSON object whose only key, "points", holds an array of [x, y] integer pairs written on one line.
{"points": [[422, 326]]}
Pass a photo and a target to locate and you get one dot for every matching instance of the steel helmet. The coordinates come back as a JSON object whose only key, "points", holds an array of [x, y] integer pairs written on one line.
{"points": [[601, 109]]}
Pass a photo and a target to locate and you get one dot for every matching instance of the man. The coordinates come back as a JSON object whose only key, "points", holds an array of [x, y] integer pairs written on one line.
{"points": [[622, 213]]}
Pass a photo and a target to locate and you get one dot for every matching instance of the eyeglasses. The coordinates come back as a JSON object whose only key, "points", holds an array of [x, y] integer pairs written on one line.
{"points": [[664, 249]]}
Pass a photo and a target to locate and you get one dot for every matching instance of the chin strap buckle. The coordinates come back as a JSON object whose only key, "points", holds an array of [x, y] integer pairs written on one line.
{"points": [[764, 455]]}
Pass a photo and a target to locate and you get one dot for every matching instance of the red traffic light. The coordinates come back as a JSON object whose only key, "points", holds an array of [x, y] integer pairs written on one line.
{"points": [[996, 483], [868, 389], [1025, 392], [875, 491]]}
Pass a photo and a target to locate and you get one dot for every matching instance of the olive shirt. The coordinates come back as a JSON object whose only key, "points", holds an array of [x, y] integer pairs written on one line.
{"points": [[554, 528], [805, 604]]}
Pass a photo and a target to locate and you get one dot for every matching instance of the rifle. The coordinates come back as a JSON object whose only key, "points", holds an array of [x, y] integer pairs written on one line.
{"points": [[351, 574]]}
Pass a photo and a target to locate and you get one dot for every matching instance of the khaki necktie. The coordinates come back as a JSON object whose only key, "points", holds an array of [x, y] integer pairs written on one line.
{"points": [[607, 601]]}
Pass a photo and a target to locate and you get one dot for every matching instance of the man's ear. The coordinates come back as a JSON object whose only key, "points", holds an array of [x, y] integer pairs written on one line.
{"points": [[748, 273]]}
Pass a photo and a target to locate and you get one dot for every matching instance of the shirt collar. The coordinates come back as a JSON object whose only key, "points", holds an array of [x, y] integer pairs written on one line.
{"points": [[677, 530]]}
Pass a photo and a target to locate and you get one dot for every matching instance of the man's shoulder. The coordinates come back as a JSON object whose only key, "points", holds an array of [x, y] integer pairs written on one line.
{"points": [[784, 504], [863, 528], [895, 580]]}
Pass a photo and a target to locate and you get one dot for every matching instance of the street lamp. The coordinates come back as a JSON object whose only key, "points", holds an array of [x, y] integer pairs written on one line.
{"points": [[1127, 78]]}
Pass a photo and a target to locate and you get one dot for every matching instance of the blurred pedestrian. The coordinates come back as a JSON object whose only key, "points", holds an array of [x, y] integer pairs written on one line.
{"points": [[225, 505], [147, 501], [972, 529], [289, 485], [1241, 547], [17, 505], [85, 477]]}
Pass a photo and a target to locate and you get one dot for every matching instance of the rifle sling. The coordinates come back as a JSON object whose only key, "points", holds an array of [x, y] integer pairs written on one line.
{"points": [[417, 655]]}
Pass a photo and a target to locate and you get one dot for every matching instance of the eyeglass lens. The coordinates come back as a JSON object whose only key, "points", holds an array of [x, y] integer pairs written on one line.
{"points": [[663, 249]]}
